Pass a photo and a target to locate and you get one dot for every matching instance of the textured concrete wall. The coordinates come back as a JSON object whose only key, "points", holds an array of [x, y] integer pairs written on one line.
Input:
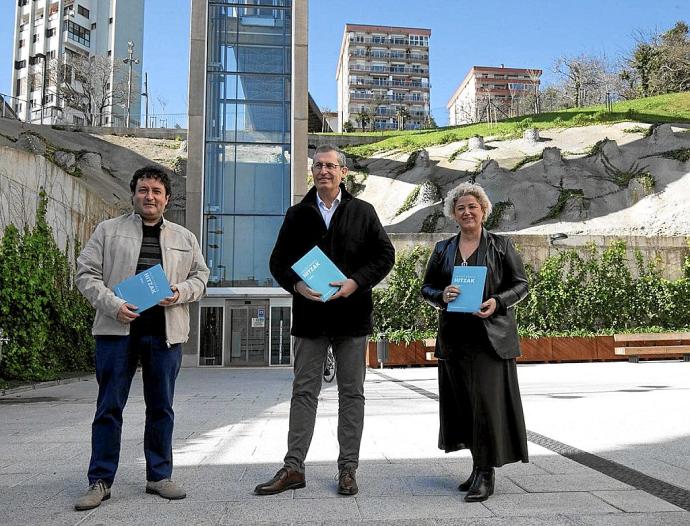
{"points": [[535, 249], [73, 211]]}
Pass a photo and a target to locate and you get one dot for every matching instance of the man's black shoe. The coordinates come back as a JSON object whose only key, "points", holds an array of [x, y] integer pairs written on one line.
{"points": [[284, 480], [347, 483]]}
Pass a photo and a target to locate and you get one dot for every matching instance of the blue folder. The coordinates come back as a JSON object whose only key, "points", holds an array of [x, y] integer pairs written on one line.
{"points": [[317, 271], [145, 289], [470, 280]]}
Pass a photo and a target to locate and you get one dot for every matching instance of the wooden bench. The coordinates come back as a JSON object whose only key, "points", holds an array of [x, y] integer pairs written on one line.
{"points": [[430, 343], [636, 345]]}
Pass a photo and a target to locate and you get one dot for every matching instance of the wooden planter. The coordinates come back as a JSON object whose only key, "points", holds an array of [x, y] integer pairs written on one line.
{"points": [[534, 350], [574, 349], [401, 354]]}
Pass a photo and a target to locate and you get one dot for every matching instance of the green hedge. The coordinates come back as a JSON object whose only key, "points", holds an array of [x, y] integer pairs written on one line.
{"points": [[47, 321], [569, 295]]}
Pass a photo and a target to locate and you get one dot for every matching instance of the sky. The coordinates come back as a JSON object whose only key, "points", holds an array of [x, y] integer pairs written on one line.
{"points": [[464, 33]]}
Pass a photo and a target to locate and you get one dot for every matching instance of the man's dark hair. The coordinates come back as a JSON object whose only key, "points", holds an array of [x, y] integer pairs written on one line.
{"points": [[150, 172]]}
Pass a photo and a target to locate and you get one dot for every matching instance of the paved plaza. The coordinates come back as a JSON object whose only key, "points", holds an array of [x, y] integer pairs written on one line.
{"points": [[609, 445]]}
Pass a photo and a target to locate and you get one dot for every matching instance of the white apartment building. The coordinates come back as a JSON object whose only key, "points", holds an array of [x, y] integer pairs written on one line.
{"points": [[493, 93], [383, 76], [53, 32]]}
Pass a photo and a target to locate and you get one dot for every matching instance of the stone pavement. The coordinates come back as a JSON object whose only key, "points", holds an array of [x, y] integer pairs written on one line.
{"points": [[609, 445]]}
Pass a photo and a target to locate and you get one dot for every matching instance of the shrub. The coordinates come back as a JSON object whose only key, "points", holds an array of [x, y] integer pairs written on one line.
{"points": [[400, 313], [45, 318], [571, 294]]}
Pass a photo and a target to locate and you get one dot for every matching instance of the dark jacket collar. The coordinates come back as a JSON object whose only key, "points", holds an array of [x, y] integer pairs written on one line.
{"points": [[481, 251], [310, 197]]}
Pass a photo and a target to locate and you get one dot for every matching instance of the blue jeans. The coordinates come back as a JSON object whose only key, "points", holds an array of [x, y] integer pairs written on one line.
{"points": [[116, 363]]}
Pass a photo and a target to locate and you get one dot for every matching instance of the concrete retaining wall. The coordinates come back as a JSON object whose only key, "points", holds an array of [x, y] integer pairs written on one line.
{"points": [[536, 249], [73, 211], [340, 141], [144, 133]]}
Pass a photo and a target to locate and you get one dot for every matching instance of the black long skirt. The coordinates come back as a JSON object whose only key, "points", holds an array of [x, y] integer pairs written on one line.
{"points": [[480, 407]]}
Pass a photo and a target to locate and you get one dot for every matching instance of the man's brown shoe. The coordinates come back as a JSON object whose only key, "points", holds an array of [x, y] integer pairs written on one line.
{"points": [[347, 484], [284, 480]]}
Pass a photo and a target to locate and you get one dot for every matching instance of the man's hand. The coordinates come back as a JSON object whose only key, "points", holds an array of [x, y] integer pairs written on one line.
{"points": [[347, 287], [487, 308], [170, 299], [126, 313], [304, 290]]}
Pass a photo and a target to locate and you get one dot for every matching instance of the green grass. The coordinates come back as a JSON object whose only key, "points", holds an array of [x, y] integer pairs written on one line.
{"points": [[526, 160], [673, 107]]}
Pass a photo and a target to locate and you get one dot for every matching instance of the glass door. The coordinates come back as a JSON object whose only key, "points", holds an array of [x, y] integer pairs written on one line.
{"points": [[211, 340], [280, 336], [247, 338]]}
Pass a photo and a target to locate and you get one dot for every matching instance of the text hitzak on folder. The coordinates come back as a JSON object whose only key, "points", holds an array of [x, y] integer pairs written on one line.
{"points": [[145, 289], [317, 271], [470, 281]]}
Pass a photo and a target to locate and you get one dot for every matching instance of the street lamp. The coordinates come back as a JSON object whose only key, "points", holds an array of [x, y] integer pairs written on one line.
{"points": [[146, 94], [130, 60]]}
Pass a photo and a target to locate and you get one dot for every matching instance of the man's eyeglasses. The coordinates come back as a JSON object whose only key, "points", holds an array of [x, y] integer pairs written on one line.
{"points": [[329, 166]]}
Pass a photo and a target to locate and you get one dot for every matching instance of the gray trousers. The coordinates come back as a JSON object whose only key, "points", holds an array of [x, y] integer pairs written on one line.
{"points": [[310, 355]]}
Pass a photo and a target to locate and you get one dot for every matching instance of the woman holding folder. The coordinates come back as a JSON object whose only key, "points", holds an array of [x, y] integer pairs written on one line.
{"points": [[479, 397]]}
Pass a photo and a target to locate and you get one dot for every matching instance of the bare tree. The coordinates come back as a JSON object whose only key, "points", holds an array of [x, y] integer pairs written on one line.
{"points": [[583, 78], [89, 85]]}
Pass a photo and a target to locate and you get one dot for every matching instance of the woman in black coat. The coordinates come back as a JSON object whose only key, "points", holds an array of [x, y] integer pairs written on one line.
{"points": [[479, 397]]}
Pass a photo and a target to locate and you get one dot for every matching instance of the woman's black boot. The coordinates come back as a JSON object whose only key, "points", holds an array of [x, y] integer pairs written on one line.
{"points": [[482, 486], [468, 483]]}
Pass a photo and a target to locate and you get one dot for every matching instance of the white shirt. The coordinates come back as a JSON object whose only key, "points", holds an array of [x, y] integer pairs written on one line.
{"points": [[327, 213]]}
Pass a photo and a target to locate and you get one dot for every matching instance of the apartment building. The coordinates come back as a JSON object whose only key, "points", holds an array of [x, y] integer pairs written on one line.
{"points": [[493, 93], [383, 78], [247, 163], [51, 34]]}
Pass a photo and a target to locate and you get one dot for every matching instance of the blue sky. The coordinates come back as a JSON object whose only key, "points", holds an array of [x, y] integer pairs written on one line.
{"points": [[517, 33]]}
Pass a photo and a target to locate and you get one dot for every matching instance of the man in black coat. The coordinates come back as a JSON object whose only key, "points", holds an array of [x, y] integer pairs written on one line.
{"points": [[349, 232]]}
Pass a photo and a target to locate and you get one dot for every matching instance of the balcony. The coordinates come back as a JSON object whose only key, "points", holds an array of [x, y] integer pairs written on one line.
{"points": [[407, 84], [391, 98], [408, 57], [389, 41], [394, 70]]}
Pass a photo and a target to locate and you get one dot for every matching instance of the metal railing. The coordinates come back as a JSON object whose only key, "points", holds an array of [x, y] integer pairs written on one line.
{"points": [[390, 69], [392, 98], [388, 41], [6, 109], [387, 55], [389, 83]]}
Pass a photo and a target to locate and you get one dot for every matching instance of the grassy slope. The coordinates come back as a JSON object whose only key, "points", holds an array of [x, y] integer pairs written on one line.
{"points": [[673, 107]]}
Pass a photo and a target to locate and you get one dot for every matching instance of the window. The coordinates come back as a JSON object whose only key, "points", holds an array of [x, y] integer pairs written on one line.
{"points": [[110, 20], [79, 121], [50, 54], [68, 10], [110, 52], [78, 34], [93, 26], [21, 3], [19, 64], [34, 38], [21, 43], [83, 11], [50, 32]]}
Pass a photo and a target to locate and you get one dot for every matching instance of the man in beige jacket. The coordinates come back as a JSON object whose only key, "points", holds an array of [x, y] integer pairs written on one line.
{"points": [[118, 249]]}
